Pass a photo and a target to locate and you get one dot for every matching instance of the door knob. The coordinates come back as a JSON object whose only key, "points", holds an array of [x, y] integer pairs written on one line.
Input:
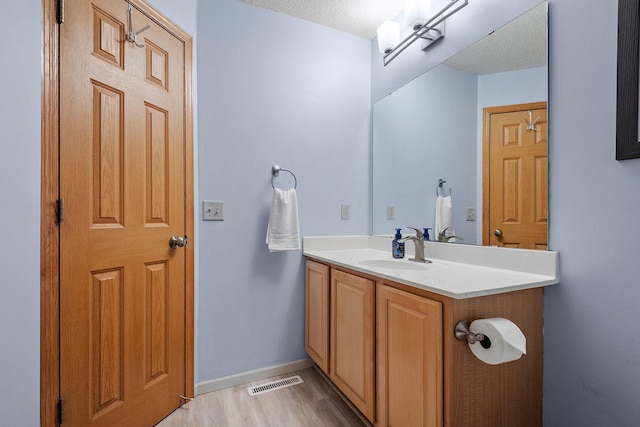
{"points": [[177, 242], [498, 232]]}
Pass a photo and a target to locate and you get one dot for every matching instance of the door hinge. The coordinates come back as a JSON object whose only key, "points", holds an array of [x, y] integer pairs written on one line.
{"points": [[60, 210], [60, 13], [60, 411]]}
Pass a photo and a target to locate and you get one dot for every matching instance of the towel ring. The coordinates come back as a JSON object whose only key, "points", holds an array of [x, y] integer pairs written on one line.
{"points": [[441, 182], [275, 171]]}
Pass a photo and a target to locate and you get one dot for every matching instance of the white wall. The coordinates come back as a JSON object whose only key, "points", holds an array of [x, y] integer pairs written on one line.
{"points": [[273, 90], [20, 213]]}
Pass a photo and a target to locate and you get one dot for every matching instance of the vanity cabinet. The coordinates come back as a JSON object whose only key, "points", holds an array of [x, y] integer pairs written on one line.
{"points": [[316, 342], [409, 353], [352, 338], [393, 353]]}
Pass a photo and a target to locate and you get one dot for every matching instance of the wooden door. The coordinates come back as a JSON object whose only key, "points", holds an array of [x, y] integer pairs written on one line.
{"points": [[352, 353], [123, 176], [410, 359], [316, 337], [515, 171]]}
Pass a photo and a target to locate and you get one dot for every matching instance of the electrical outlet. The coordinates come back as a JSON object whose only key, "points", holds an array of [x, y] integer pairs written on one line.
{"points": [[345, 211], [471, 214], [391, 212], [212, 210]]}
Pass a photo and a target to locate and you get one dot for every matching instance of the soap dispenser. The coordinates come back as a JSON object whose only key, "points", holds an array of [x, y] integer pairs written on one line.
{"points": [[397, 247], [426, 233]]}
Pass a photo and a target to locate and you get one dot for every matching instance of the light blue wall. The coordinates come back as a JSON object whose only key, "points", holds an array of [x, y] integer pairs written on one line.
{"points": [[423, 132], [20, 213], [512, 87], [591, 363], [273, 90]]}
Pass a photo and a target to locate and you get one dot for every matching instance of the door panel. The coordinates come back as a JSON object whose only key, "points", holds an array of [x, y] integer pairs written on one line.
{"points": [[317, 314], [123, 178], [409, 356]]}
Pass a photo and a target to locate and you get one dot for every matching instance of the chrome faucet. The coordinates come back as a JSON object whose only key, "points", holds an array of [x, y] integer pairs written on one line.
{"points": [[418, 241], [442, 236]]}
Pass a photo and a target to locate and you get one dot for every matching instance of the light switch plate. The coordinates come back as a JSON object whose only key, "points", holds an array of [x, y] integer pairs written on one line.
{"points": [[345, 211], [471, 214], [391, 212], [212, 210]]}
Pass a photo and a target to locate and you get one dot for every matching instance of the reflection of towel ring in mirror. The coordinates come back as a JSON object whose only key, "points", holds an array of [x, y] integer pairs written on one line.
{"points": [[275, 171], [441, 182]]}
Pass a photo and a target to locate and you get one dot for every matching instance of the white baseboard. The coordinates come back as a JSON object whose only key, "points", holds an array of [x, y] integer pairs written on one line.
{"points": [[250, 376]]}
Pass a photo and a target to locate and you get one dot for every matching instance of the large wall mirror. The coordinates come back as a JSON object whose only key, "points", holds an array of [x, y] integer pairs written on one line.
{"points": [[453, 123]]}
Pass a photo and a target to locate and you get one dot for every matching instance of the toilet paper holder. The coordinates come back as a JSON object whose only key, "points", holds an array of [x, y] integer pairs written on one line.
{"points": [[462, 333]]}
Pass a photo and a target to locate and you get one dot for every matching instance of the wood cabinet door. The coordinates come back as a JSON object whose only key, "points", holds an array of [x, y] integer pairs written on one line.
{"points": [[352, 363], [409, 351], [316, 338]]}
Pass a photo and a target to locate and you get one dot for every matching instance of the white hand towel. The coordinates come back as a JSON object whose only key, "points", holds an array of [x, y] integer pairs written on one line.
{"points": [[443, 217], [283, 233]]}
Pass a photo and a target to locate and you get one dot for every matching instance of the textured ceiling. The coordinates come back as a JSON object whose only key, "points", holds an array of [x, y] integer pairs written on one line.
{"points": [[359, 17], [520, 44]]}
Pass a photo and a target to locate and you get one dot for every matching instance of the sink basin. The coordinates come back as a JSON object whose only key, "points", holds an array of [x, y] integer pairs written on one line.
{"points": [[395, 264]]}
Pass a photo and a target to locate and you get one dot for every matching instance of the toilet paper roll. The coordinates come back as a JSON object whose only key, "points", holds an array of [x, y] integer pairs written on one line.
{"points": [[504, 341]]}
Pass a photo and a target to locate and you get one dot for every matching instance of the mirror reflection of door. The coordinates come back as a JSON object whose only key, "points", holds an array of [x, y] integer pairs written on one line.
{"points": [[515, 176]]}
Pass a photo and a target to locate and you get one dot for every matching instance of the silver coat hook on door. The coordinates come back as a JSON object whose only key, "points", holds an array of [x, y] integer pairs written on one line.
{"points": [[131, 36], [531, 124]]}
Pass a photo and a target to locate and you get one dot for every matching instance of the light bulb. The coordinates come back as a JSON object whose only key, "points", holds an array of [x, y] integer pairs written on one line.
{"points": [[416, 12], [388, 36]]}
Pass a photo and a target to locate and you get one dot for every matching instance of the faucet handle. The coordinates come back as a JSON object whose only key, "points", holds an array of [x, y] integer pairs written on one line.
{"points": [[419, 232]]}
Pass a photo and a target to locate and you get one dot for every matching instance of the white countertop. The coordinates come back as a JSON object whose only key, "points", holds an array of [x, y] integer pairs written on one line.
{"points": [[458, 271]]}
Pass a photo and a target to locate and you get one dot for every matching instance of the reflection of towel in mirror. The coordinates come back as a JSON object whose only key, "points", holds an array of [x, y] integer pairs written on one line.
{"points": [[443, 217], [283, 233]]}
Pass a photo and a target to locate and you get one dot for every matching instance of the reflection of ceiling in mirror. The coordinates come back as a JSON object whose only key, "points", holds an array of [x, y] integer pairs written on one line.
{"points": [[520, 44]]}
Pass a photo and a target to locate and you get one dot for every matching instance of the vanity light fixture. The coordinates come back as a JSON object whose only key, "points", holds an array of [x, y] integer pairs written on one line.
{"points": [[429, 29]]}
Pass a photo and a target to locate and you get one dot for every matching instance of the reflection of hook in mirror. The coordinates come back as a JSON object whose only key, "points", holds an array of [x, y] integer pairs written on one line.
{"points": [[531, 124], [440, 186], [131, 36]]}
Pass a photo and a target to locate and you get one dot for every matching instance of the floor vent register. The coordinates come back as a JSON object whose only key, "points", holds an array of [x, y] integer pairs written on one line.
{"points": [[274, 385]]}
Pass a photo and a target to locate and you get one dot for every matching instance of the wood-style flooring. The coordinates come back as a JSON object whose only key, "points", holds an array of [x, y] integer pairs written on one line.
{"points": [[314, 403]]}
